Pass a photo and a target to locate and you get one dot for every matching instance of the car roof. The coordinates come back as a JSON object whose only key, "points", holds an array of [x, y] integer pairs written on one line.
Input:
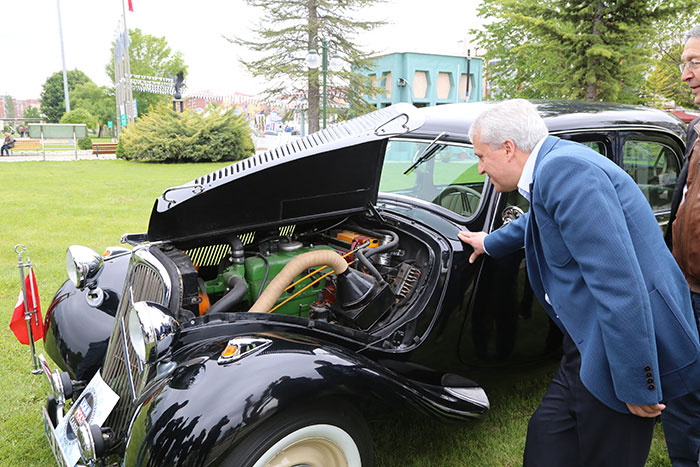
{"points": [[559, 116]]}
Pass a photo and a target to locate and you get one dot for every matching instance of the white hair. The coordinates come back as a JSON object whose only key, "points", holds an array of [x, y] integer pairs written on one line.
{"points": [[516, 120], [693, 33]]}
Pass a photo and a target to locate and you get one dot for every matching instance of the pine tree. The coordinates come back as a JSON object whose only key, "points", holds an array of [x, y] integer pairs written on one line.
{"points": [[586, 49], [291, 28]]}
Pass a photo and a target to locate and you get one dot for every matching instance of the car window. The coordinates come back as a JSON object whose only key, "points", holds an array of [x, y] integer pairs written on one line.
{"points": [[449, 178], [654, 166], [597, 146]]}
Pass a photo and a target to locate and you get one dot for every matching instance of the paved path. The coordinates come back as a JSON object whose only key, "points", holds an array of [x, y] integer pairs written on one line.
{"points": [[56, 156]]}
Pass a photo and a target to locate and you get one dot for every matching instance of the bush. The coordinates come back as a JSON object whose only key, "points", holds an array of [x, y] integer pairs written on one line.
{"points": [[167, 136], [85, 143], [79, 116]]}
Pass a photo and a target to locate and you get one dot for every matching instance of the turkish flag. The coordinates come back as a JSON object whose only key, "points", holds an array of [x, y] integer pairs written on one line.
{"points": [[17, 323], [131, 7]]}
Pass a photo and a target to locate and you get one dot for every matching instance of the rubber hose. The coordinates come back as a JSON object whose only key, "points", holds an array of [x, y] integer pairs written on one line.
{"points": [[363, 254], [233, 297], [291, 270]]}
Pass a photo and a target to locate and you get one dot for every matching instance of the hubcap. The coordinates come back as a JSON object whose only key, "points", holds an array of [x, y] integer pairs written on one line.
{"points": [[310, 452]]}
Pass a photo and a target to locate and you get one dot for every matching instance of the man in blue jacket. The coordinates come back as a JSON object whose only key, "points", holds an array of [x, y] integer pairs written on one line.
{"points": [[597, 261]]}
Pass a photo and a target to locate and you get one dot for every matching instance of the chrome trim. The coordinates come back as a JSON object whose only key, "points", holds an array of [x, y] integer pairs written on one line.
{"points": [[475, 395], [146, 280], [141, 256], [82, 264], [126, 358]]}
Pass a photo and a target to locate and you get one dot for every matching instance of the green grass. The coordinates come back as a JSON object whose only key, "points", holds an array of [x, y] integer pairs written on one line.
{"points": [[50, 205]]}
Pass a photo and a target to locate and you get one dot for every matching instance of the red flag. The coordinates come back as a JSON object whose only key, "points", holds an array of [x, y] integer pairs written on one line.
{"points": [[131, 7], [17, 323]]}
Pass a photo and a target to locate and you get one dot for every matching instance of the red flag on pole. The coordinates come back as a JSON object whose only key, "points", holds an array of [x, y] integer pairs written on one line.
{"points": [[18, 323], [131, 7]]}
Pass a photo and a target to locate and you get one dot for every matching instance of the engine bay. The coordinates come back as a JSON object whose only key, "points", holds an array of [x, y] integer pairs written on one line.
{"points": [[385, 268]]}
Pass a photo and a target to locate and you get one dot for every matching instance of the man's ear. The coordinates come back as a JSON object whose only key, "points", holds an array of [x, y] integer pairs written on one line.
{"points": [[509, 147]]}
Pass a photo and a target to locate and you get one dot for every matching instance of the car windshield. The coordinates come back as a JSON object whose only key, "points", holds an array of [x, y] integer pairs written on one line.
{"points": [[449, 178]]}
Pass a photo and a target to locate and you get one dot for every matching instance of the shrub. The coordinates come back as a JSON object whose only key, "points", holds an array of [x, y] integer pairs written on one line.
{"points": [[167, 136], [85, 143], [79, 116]]}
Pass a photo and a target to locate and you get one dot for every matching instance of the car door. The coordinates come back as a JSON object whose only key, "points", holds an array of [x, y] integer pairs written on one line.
{"points": [[654, 160]]}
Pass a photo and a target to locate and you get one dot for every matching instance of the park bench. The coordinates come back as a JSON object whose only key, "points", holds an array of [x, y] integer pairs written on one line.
{"points": [[104, 148], [26, 145]]}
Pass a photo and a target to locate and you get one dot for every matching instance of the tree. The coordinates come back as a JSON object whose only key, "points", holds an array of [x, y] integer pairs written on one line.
{"points": [[31, 112], [9, 107], [53, 104], [149, 56], [589, 49], [99, 101], [664, 83], [79, 116], [289, 29]]}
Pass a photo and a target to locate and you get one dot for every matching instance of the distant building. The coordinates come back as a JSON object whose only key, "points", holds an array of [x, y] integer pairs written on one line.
{"points": [[20, 106], [425, 79]]}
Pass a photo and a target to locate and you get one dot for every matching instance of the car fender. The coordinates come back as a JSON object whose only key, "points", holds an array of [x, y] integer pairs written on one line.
{"points": [[76, 333], [204, 408]]}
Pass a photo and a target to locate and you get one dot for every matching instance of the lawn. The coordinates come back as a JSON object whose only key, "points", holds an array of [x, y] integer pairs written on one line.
{"points": [[49, 205]]}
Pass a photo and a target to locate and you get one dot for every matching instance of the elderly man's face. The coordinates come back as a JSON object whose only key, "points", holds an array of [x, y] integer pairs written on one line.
{"points": [[692, 52], [499, 163]]}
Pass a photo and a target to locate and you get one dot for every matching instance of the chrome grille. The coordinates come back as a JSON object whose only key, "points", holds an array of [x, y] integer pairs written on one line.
{"points": [[147, 280]]}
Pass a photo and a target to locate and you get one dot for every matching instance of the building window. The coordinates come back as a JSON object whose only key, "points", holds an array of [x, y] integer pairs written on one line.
{"points": [[444, 85], [388, 84], [420, 84]]}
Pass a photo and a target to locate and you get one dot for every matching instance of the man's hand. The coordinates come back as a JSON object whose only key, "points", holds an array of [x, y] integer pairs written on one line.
{"points": [[475, 240], [648, 411]]}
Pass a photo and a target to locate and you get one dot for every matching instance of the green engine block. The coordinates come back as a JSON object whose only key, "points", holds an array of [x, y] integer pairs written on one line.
{"points": [[253, 271]]}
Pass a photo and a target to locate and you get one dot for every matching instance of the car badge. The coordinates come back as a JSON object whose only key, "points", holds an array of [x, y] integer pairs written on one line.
{"points": [[239, 347]]}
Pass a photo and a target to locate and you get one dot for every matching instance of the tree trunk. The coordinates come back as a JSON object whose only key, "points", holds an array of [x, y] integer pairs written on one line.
{"points": [[592, 86], [313, 92]]}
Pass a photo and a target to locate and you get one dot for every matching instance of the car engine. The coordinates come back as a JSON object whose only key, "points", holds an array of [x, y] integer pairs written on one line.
{"points": [[382, 274]]}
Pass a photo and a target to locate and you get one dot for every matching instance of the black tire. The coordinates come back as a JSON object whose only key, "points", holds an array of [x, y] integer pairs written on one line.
{"points": [[308, 436]]}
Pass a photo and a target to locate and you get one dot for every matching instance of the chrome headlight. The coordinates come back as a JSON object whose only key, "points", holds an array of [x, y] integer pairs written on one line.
{"points": [[149, 323], [82, 264]]}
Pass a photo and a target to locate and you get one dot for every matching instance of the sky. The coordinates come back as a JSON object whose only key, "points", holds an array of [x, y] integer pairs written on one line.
{"points": [[30, 39]]}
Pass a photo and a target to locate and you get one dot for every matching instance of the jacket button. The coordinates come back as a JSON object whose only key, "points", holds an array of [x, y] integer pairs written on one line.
{"points": [[650, 380], [649, 375], [651, 387], [647, 368]]}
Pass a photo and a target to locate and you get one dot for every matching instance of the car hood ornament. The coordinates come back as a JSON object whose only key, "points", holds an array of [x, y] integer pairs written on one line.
{"points": [[239, 347]]}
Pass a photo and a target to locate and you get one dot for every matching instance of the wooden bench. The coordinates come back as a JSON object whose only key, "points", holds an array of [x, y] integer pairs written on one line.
{"points": [[26, 145], [104, 148]]}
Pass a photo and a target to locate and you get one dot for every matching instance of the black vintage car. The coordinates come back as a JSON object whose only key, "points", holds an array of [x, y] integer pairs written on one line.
{"points": [[276, 304]]}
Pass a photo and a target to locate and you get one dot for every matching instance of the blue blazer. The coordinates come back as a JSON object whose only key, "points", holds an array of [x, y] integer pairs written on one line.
{"points": [[593, 246]]}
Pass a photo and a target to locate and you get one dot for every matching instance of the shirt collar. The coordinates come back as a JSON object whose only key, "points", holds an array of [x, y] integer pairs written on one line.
{"points": [[528, 170]]}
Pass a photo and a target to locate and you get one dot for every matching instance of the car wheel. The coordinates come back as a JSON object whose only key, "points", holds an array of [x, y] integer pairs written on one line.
{"points": [[326, 436]]}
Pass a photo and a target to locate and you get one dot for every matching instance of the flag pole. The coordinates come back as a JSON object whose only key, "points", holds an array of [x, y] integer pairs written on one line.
{"points": [[19, 249]]}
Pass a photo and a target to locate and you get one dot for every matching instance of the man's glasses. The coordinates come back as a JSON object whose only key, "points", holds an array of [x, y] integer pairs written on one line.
{"points": [[692, 65]]}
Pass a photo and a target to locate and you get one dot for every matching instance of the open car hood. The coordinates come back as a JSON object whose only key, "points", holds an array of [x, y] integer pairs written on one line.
{"points": [[331, 172]]}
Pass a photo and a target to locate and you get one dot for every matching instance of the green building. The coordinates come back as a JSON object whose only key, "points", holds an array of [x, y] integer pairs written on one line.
{"points": [[425, 79]]}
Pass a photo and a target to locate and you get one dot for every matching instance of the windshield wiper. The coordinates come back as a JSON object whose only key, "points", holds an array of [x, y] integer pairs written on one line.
{"points": [[425, 154]]}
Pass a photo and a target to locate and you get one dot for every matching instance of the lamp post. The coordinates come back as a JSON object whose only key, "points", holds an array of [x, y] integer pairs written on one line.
{"points": [[313, 60]]}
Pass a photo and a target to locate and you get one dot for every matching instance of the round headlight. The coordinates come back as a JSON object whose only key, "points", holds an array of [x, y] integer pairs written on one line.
{"points": [[149, 323], [82, 264]]}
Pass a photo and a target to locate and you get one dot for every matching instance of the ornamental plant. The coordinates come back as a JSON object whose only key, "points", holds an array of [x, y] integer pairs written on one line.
{"points": [[163, 135]]}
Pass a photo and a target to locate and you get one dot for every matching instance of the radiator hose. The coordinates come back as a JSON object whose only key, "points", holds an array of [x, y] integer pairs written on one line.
{"points": [[233, 297], [353, 286]]}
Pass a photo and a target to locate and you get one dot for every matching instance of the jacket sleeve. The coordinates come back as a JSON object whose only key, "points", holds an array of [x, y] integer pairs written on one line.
{"points": [[584, 204], [508, 238]]}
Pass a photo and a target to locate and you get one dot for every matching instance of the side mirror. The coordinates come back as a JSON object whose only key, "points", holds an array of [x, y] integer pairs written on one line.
{"points": [[510, 213]]}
